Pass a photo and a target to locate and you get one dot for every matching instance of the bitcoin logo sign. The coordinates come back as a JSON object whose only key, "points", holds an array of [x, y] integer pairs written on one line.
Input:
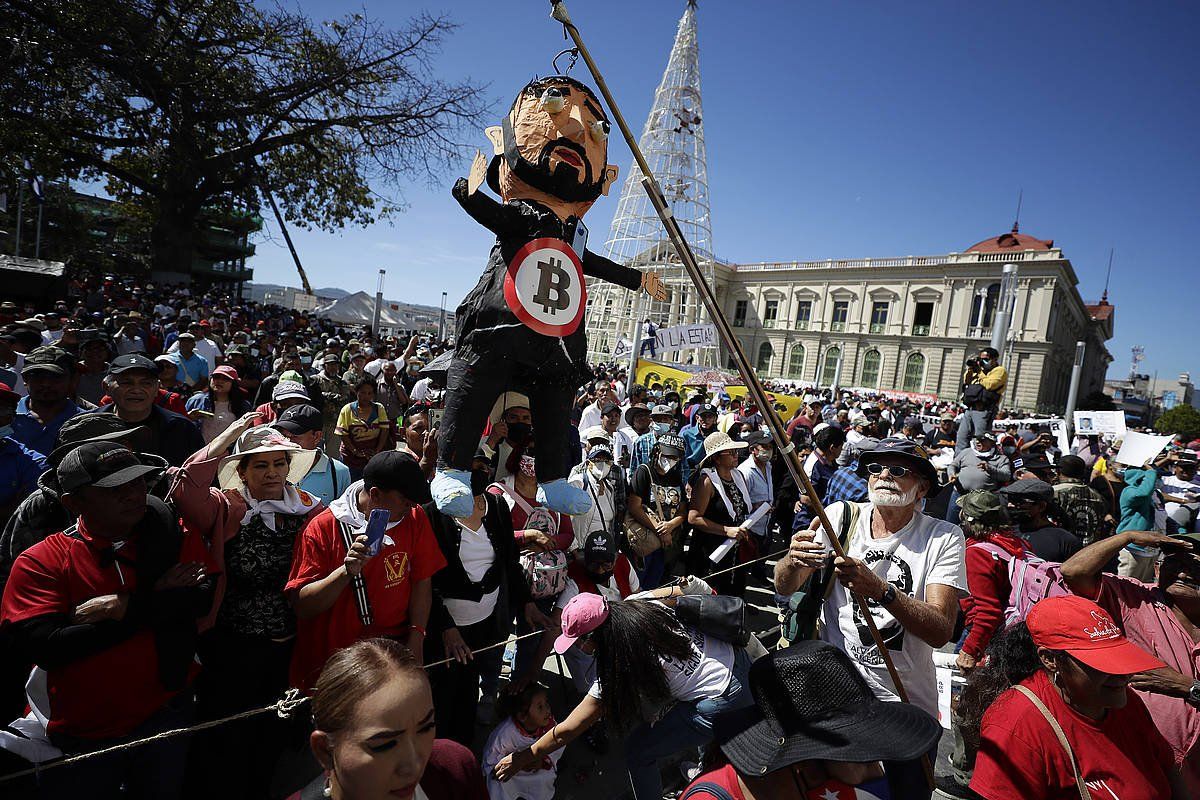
{"points": [[544, 287]]}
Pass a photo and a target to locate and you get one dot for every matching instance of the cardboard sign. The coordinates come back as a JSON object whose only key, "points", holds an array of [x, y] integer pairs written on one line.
{"points": [[683, 337], [1100, 423], [1138, 448]]}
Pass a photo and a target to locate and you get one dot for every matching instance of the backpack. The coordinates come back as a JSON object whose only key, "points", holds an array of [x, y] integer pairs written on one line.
{"points": [[1031, 579], [546, 573]]}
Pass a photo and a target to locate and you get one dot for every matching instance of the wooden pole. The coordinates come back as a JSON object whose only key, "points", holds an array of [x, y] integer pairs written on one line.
{"points": [[749, 376]]}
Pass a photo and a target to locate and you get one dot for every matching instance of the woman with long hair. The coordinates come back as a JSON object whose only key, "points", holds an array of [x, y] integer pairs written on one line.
{"points": [[251, 522], [1053, 717], [719, 506], [657, 679], [375, 735], [216, 407]]}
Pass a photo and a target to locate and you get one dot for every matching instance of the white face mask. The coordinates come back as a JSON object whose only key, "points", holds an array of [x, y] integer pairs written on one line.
{"points": [[667, 464], [526, 466], [600, 469], [888, 495], [762, 456]]}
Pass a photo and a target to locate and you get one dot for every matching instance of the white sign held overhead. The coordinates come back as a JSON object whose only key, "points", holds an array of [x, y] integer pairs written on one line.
{"points": [[683, 337], [1138, 448], [1103, 423]]}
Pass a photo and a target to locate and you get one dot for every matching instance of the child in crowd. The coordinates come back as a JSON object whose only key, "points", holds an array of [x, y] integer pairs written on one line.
{"points": [[527, 717]]}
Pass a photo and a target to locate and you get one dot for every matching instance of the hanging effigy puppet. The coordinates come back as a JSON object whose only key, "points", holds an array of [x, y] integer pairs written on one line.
{"points": [[521, 327]]}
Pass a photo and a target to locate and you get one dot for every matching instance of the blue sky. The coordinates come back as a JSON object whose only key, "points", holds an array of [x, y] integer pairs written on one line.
{"points": [[861, 129]]}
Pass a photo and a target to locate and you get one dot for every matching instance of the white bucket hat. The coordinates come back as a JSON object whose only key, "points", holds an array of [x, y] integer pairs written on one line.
{"points": [[264, 439], [718, 442]]}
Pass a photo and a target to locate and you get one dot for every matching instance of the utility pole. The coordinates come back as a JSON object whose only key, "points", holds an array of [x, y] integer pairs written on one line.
{"points": [[1073, 392], [20, 215], [1005, 304], [378, 303], [442, 320], [636, 338]]}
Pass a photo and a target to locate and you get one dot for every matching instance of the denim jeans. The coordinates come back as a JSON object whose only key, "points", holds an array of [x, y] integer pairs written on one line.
{"points": [[687, 725], [953, 512], [971, 425]]}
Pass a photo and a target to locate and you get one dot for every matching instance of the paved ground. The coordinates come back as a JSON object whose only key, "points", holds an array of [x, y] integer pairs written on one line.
{"points": [[584, 774]]}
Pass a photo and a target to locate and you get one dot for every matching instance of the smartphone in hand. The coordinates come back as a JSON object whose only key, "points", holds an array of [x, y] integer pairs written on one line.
{"points": [[376, 527]]}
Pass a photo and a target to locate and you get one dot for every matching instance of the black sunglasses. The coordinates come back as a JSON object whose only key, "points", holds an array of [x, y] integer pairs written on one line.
{"points": [[875, 468]]}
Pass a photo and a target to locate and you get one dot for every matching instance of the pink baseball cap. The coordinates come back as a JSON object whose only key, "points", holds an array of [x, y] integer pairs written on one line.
{"points": [[227, 371], [582, 614]]}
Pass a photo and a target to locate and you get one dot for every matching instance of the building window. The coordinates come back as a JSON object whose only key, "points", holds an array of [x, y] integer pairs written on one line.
{"points": [[870, 369], [795, 368], [803, 314], [739, 313], [765, 351], [829, 371], [771, 314], [922, 319], [879, 314], [841, 310], [983, 308], [914, 373]]}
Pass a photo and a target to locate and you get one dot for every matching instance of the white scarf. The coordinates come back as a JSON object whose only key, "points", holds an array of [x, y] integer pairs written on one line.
{"points": [[293, 501], [739, 480], [345, 510]]}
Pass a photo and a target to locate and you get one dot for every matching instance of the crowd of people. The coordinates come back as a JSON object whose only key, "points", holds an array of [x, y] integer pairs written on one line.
{"points": [[208, 503]]}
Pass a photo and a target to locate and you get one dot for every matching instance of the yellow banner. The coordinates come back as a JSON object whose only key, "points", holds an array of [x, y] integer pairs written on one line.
{"points": [[652, 372]]}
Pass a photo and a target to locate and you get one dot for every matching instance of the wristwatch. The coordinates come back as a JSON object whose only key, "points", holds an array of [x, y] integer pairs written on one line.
{"points": [[1193, 695], [889, 596]]}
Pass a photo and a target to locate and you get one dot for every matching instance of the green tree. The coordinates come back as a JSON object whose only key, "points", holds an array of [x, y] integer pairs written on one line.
{"points": [[1182, 419], [187, 107]]}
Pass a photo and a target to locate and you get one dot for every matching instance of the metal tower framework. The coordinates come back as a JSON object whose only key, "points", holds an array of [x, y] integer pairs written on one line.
{"points": [[673, 144]]}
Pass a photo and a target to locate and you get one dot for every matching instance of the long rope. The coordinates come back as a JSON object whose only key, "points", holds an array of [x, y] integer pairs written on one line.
{"points": [[287, 705]]}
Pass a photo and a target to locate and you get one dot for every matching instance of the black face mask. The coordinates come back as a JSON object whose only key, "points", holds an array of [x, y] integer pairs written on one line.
{"points": [[480, 479], [1020, 516], [519, 433], [600, 577]]}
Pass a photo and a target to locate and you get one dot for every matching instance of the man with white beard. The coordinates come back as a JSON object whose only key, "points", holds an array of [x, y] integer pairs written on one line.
{"points": [[910, 568]]}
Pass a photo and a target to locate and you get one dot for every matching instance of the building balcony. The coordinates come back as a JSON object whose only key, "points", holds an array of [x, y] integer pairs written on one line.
{"points": [[920, 330], [770, 323], [801, 324], [837, 326], [877, 327]]}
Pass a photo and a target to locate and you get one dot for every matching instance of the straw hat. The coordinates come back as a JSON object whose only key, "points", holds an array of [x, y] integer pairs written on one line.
{"points": [[504, 402], [718, 442], [264, 439]]}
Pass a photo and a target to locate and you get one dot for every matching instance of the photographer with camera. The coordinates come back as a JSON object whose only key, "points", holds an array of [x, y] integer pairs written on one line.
{"points": [[983, 387]]}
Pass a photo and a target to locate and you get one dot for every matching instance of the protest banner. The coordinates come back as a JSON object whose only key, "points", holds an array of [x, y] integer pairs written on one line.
{"points": [[683, 337], [1138, 448]]}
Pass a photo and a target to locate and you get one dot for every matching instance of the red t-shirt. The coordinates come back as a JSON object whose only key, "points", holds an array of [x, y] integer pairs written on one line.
{"points": [[831, 789], [111, 692], [563, 535], [413, 556], [1121, 756]]}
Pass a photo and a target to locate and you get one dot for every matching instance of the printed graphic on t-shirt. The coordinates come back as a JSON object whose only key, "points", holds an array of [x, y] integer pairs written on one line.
{"points": [[688, 668], [836, 790], [666, 496], [396, 566], [898, 574]]}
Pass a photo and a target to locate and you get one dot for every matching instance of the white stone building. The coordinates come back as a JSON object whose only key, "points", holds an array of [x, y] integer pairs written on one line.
{"points": [[905, 323]]}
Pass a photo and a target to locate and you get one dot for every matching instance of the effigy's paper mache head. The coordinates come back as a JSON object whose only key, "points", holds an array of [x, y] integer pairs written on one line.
{"points": [[553, 147]]}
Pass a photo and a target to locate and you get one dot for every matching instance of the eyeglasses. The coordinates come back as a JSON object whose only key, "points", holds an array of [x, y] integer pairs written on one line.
{"points": [[876, 468]]}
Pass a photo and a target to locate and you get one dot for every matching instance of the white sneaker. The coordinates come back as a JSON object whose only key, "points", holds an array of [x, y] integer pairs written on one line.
{"points": [[690, 770]]}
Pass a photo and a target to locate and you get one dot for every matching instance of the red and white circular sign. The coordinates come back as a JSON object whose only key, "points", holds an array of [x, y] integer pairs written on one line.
{"points": [[544, 287]]}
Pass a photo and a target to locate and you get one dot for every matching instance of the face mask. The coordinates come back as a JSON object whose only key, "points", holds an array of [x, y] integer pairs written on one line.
{"points": [[526, 466], [6, 431], [667, 464], [1021, 516], [600, 469], [480, 478], [519, 433], [600, 577], [762, 456], [413, 369]]}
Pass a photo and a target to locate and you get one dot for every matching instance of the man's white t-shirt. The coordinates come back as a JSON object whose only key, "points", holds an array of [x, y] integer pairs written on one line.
{"points": [[924, 552], [477, 554], [703, 675]]}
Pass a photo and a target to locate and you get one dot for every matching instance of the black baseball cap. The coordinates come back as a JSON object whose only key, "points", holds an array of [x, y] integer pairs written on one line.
{"points": [[132, 361], [393, 470], [600, 547], [102, 464], [707, 408], [49, 359], [1029, 488], [670, 443], [300, 419]]}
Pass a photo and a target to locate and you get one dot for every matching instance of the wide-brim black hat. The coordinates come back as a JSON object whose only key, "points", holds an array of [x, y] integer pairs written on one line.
{"points": [[811, 703], [915, 456]]}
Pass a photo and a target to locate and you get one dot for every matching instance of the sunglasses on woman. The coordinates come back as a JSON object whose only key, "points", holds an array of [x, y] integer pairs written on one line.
{"points": [[876, 468]]}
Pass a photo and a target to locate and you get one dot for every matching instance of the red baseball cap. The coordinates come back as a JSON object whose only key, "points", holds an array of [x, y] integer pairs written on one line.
{"points": [[582, 614], [7, 393], [1085, 630], [227, 371]]}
